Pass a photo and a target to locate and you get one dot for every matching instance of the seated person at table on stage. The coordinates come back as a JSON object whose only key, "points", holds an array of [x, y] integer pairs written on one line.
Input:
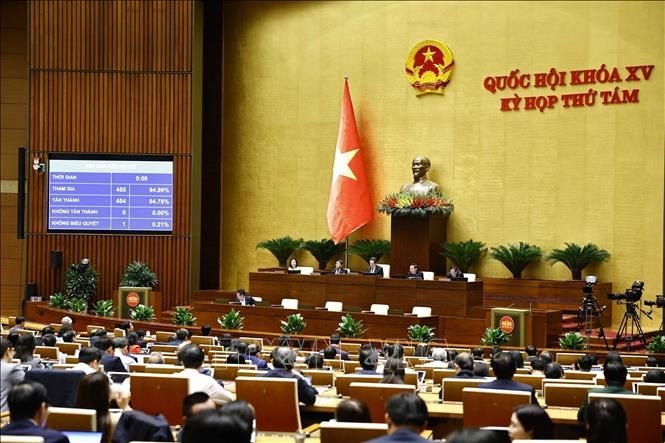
{"points": [[283, 359], [454, 272], [28, 411], [374, 268], [420, 166], [293, 264], [414, 272], [244, 298], [339, 268], [369, 360], [615, 376], [406, 415], [192, 358], [504, 368]]}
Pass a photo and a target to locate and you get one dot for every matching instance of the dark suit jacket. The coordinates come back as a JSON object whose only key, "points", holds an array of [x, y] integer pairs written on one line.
{"points": [[340, 271], [415, 276], [27, 427], [306, 393], [260, 364], [400, 435], [249, 300], [378, 270], [510, 385], [137, 425], [112, 363], [61, 386]]}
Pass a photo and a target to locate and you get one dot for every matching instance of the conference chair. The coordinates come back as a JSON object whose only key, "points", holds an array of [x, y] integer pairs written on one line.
{"points": [[92, 328], [428, 275], [470, 277], [168, 349], [320, 377], [379, 309], [68, 348], [568, 358], [661, 393], [264, 394], [338, 431], [600, 380], [376, 395], [647, 388], [164, 368], [421, 311], [343, 382], [386, 270], [428, 370], [61, 386], [164, 336], [642, 413], [117, 332], [351, 348], [72, 419], [566, 395], [452, 387], [159, 394], [533, 380], [258, 341], [203, 340], [47, 352], [306, 270], [634, 360], [71, 359], [335, 363], [228, 371], [490, 407], [334, 306], [565, 381], [252, 373], [580, 375], [289, 303], [350, 366]]}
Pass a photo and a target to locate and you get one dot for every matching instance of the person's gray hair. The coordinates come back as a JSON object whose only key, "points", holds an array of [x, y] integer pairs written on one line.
{"points": [[284, 357], [439, 354], [156, 358], [66, 321]]}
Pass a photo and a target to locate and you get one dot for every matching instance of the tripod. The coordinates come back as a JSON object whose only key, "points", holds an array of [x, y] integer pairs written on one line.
{"points": [[589, 317], [630, 316]]}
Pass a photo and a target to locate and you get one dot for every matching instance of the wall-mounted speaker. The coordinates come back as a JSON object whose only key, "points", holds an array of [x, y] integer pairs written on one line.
{"points": [[56, 259], [30, 291]]}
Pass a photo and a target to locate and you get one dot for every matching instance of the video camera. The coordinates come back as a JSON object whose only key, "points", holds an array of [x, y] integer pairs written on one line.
{"points": [[659, 302], [631, 295]]}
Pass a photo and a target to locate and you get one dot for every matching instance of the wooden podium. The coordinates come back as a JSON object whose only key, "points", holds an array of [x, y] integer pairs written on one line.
{"points": [[418, 240], [130, 297]]}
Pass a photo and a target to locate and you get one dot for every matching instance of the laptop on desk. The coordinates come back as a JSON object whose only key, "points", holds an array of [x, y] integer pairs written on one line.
{"points": [[459, 279], [293, 271]]}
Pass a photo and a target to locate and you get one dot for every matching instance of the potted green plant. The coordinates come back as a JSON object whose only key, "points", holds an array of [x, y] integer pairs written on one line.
{"points": [[293, 324], [572, 341], [142, 313], [494, 337], [415, 204], [421, 333], [75, 304], [349, 327], [103, 308], [323, 250], [81, 281], [231, 320], [657, 345], [138, 274], [577, 257], [516, 257], [366, 249], [58, 300], [463, 254], [182, 315], [282, 248]]}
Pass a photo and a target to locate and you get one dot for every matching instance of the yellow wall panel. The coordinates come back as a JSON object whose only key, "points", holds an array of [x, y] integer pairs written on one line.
{"points": [[592, 174]]}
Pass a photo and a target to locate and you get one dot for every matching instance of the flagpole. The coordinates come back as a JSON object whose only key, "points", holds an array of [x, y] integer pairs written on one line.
{"points": [[346, 252]]}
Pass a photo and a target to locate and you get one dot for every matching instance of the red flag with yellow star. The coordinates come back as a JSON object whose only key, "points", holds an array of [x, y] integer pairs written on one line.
{"points": [[349, 205]]}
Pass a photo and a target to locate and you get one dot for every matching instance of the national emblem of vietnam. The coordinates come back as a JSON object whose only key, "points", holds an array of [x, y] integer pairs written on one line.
{"points": [[429, 67]]}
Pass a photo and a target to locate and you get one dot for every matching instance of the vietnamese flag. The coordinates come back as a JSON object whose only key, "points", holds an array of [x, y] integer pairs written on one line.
{"points": [[349, 205]]}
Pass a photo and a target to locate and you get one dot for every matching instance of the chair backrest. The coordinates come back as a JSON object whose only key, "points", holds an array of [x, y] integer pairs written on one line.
{"points": [[350, 366], [72, 419], [335, 363], [20, 439], [568, 358], [490, 407], [258, 341], [469, 277], [203, 340], [534, 380], [306, 270], [229, 372], [259, 392], [642, 413], [580, 375], [61, 386], [376, 395], [92, 328], [452, 387], [334, 306], [290, 303], [647, 388], [68, 348], [47, 352], [421, 311], [628, 385], [562, 381], [162, 336], [634, 360], [661, 393], [386, 270], [164, 348], [159, 394], [117, 332], [351, 348], [152, 368], [339, 431], [343, 381], [428, 275], [320, 377], [568, 395], [379, 309]]}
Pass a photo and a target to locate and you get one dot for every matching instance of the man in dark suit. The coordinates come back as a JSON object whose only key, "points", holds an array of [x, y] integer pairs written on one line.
{"points": [[110, 362], [335, 340], [339, 268], [369, 360], [254, 356], [27, 410], [181, 336], [504, 367], [406, 415], [615, 376], [464, 366], [244, 298], [374, 269], [414, 272], [283, 360]]}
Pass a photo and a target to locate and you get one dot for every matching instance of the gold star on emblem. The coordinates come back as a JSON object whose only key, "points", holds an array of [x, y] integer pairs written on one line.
{"points": [[428, 54], [341, 166]]}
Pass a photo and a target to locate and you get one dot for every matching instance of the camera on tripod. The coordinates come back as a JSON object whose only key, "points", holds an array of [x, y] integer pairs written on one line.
{"points": [[659, 302], [631, 295]]}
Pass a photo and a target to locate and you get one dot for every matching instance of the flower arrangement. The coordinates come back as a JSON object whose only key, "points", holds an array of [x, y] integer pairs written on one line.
{"points": [[403, 204]]}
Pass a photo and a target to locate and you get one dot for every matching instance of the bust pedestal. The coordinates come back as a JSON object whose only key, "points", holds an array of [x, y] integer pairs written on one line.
{"points": [[418, 240]]}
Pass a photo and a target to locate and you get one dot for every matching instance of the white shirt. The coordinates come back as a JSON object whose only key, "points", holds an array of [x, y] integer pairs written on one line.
{"points": [[83, 367], [204, 383]]}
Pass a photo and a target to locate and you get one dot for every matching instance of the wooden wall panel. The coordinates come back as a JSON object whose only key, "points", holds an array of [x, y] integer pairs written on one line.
{"points": [[112, 77]]}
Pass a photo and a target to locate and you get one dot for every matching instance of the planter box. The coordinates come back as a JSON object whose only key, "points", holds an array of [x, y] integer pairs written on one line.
{"points": [[565, 296]]}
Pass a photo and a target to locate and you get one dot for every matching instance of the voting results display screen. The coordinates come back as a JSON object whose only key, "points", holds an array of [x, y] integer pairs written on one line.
{"points": [[110, 194]]}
